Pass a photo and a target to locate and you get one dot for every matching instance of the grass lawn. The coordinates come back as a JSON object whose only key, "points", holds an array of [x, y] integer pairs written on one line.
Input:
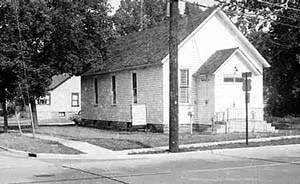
{"points": [[34, 145], [131, 140], [227, 146]]}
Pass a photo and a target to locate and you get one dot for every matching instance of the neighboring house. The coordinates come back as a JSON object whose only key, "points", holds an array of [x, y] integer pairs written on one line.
{"points": [[61, 101], [133, 84]]}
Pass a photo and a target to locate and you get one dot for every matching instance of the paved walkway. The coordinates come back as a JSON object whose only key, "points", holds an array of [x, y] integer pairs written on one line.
{"points": [[90, 151]]}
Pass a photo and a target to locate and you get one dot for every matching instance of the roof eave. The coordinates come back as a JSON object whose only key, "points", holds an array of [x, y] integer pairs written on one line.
{"points": [[244, 39], [252, 66], [53, 88], [121, 69], [231, 55]]}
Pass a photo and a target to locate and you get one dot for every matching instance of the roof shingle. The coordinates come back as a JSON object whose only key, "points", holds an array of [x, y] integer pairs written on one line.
{"points": [[147, 47], [57, 80], [215, 61]]}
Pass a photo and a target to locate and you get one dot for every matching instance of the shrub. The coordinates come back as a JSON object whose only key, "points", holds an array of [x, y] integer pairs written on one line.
{"points": [[285, 123]]}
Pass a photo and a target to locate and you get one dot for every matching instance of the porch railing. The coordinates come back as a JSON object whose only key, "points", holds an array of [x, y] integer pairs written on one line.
{"points": [[254, 114]]}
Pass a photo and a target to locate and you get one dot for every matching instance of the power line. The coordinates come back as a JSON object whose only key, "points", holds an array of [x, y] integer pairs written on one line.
{"points": [[197, 4], [249, 15], [204, 6], [287, 17], [276, 14], [289, 25], [281, 6]]}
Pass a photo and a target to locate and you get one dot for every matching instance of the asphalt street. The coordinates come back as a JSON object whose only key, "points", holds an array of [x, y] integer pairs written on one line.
{"points": [[272, 164]]}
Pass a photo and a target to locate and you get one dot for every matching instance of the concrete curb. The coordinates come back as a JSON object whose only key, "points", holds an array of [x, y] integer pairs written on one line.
{"points": [[200, 145], [18, 152]]}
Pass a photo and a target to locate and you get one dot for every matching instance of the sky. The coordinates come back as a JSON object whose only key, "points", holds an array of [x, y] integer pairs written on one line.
{"points": [[115, 3]]}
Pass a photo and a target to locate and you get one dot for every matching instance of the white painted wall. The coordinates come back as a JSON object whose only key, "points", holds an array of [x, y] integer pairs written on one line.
{"points": [[61, 100], [230, 95], [188, 58], [212, 35]]}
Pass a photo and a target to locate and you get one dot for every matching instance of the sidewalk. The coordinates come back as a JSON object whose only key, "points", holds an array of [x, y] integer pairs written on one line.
{"points": [[94, 152], [90, 151]]}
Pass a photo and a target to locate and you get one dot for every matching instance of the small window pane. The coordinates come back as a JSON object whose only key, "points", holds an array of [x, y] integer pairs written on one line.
{"points": [[184, 95], [184, 78], [61, 114], [228, 79], [75, 100], [184, 86], [238, 79], [113, 90], [134, 87], [45, 100]]}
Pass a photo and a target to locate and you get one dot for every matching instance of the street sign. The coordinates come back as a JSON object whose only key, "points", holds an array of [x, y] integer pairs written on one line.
{"points": [[247, 98], [247, 87]]}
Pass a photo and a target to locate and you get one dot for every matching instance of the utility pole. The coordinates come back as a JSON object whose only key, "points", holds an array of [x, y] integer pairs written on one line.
{"points": [[173, 62]]}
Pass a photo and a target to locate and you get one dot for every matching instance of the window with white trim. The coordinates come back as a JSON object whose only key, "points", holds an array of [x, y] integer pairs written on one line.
{"points": [[134, 88], [62, 114], [232, 79], [45, 100], [184, 86], [75, 99]]}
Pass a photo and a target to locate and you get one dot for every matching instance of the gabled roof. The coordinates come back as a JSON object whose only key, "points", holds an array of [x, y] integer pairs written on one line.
{"points": [[239, 35], [57, 80], [220, 58], [148, 47], [215, 61]]}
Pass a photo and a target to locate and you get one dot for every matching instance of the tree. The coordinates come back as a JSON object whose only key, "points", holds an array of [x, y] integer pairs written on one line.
{"points": [[283, 78], [9, 67], [81, 31], [130, 18], [250, 17], [46, 38], [7, 87]]}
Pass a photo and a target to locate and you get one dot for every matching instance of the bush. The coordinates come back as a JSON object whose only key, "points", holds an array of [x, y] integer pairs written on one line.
{"points": [[10, 108], [285, 123]]}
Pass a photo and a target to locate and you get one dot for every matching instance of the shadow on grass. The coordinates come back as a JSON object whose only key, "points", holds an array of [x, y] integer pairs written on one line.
{"points": [[115, 144]]}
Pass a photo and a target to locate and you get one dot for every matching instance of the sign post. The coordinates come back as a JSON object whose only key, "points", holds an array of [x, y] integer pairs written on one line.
{"points": [[246, 88]]}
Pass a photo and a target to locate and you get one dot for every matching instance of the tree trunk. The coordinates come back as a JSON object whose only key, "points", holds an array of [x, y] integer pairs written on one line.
{"points": [[34, 113], [3, 101]]}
